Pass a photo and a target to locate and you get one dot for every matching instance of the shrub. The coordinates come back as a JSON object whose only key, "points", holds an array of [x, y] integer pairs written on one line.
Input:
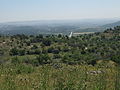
{"points": [[47, 42], [15, 60], [43, 59], [1, 52], [21, 52], [13, 51], [116, 58]]}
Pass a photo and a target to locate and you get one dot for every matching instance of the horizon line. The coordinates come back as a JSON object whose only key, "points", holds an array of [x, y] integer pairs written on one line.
{"points": [[34, 20]]}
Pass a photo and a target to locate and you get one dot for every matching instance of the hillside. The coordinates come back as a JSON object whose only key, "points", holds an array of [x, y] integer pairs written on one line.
{"points": [[87, 48], [57, 62], [111, 25]]}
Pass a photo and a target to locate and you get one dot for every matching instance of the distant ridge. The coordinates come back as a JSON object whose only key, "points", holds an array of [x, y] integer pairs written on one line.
{"points": [[111, 25], [56, 26]]}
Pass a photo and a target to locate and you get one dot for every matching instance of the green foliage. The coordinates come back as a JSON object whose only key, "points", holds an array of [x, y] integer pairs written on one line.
{"points": [[68, 77], [21, 52], [16, 60], [1, 52], [50, 50], [87, 49], [34, 47], [43, 59], [14, 51], [77, 63], [116, 58], [24, 69], [46, 42]]}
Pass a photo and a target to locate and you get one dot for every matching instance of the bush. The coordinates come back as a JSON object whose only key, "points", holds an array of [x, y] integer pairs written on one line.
{"points": [[56, 56], [16, 60], [43, 59], [116, 58], [34, 47], [47, 42], [50, 50], [56, 51], [13, 51], [21, 52], [1, 52]]}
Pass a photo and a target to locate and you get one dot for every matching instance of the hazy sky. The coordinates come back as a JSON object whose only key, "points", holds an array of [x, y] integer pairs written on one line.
{"points": [[23, 10]]}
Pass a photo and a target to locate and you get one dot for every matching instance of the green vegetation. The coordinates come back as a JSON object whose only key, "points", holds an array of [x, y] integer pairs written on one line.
{"points": [[67, 77], [57, 62]]}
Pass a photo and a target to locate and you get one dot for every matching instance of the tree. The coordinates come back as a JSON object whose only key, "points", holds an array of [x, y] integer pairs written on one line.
{"points": [[50, 50], [40, 36], [13, 51], [56, 51], [46, 42], [59, 36]]}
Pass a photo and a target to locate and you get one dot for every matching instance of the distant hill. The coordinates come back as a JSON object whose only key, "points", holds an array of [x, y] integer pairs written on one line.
{"points": [[54, 27], [111, 25], [36, 29]]}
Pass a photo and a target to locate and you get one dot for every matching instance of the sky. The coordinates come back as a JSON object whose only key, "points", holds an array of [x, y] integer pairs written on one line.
{"points": [[24, 10]]}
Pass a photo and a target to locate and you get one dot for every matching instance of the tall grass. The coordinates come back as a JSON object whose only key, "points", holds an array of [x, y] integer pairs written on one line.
{"points": [[117, 79], [68, 77]]}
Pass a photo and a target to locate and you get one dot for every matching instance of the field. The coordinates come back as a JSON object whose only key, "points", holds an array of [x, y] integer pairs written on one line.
{"points": [[59, 77]]}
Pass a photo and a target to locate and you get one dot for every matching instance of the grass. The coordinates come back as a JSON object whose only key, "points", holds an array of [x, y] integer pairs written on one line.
{"points": [[46, 77]]}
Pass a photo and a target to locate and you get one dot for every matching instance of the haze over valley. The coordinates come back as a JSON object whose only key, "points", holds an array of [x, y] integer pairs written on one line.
{"points": [[57, 26]]}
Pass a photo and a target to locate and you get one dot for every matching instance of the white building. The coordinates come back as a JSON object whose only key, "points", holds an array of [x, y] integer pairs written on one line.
{"points": [[70, 34]]}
